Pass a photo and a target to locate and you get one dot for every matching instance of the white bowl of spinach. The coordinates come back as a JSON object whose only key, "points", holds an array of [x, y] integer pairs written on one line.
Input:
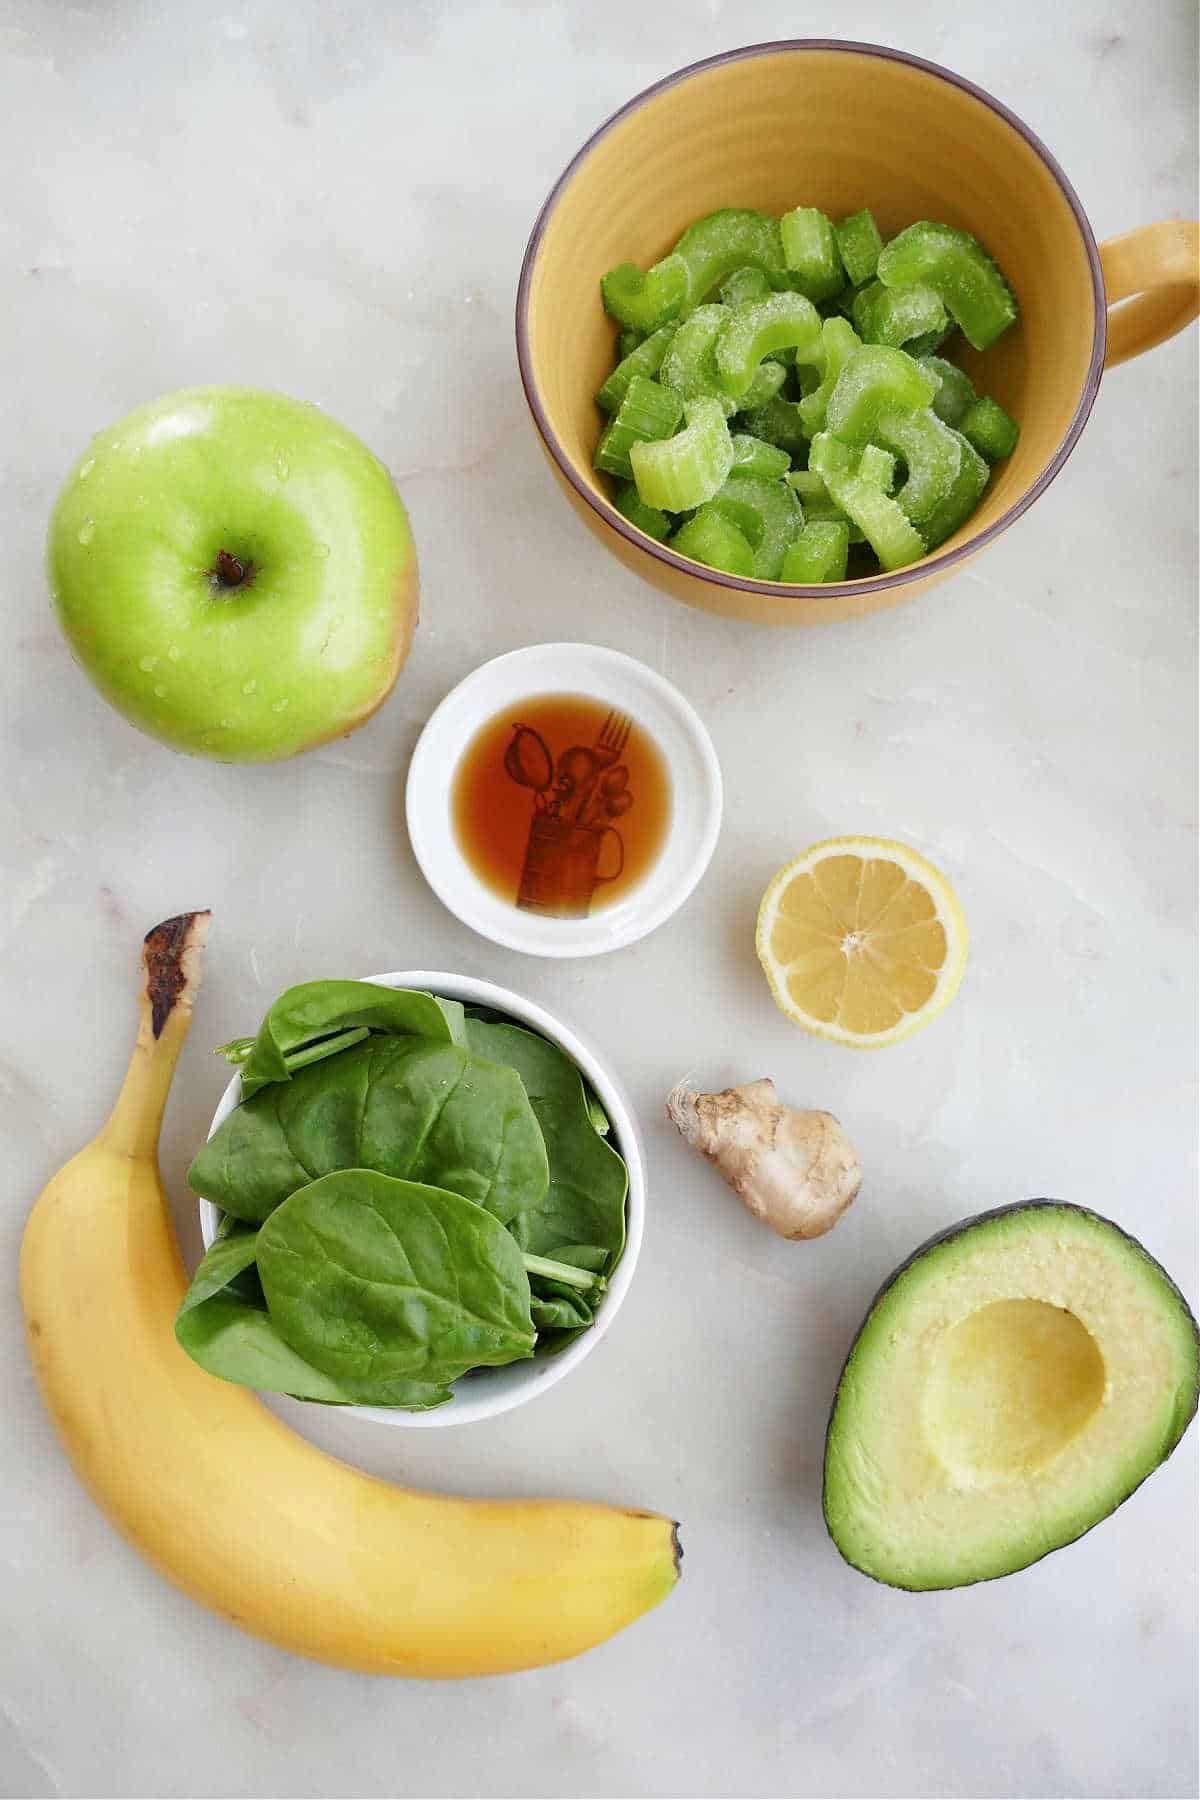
{"points": [[421, 1198]]}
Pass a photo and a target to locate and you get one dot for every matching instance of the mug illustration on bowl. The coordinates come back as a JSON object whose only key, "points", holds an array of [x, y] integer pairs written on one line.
{"points": [[576, 800]]}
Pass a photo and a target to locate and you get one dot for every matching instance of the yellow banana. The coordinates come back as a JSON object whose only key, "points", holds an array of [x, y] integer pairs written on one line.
{"points": [[290, 1544]]}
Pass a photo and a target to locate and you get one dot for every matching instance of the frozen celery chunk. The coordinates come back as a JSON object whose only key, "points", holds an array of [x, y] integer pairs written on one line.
{"points": [[744, 284], [690, 365], [993, 432], [957, 392], [873, 380], [779, 511], [649, 519], [960, 270], [769, 378], [647, 413], [644, 359], [818, 554], [758, 328], [859, 243], [711, 538], [779, 422], [643, 302], [747, 518], [839, 340], [931, 455], [754, 456], [684, 471], [817, 502], [888, 530], [736, 237], [811, 253], [962, 499], [897, 315], [627, 343]]}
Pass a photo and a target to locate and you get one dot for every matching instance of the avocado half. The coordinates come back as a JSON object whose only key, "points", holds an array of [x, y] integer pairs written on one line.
{"points": [[1013, 1382]]}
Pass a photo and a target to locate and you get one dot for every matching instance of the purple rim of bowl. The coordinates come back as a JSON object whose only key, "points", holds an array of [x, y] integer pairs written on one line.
{"points": [[929, 565]]}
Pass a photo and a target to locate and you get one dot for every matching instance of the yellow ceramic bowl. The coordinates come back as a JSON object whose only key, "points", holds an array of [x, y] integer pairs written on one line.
{"points": [[839, 126]]}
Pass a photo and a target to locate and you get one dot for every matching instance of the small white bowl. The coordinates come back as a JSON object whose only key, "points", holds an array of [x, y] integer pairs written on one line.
{"points": [[484, 1393], [628, 686]]}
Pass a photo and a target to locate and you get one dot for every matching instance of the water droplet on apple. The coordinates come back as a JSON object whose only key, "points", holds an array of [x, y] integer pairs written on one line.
{"points": [[86, 468], [280, 706], [248, 687], [381, 612], [321, 550], [135, 455], [148, 663], [87, 531], [160, 690], [282, 467], [173, 653], [227, 724]]}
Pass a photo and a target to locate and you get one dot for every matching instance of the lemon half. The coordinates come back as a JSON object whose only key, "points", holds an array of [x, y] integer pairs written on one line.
{"points": [[862, 940]]}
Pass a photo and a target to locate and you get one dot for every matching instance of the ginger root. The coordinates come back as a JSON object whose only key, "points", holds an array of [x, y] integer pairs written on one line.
{"points": [[793, 1170]]}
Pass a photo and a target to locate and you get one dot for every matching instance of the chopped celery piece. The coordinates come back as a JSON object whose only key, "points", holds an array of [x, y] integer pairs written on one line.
{"points": [[678, 473], [744, 284], [714, 540], [960, 270], [957, 392], [778, 422], [993, 432], [818, 554], [736, 237], [897, 315], [647, 413], [878, 467], [830, 456], [756, 329], [649, 519], [962, 499], [890, 533], [859, 243], [811, 253], [839, 340], [689, 365], [754, 456], [876, 379], [644, 302], [778, 509], [931, 455], [627, 343], [769, 378], [645, 359], [930, 342], [817, 502], [747, 518]]}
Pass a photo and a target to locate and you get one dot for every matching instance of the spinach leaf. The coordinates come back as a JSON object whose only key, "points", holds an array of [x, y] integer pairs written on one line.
{"points": [[322, 1009], [238, 1341], [403, 1106], [231, 1252], [561, 1311], [585, 1202], [370, 1277]]}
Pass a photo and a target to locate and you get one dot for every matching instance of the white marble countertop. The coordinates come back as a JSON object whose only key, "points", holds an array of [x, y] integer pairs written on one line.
{"points": [[334, 201]]}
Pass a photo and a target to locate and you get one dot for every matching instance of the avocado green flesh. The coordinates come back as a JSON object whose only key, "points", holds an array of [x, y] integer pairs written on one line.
{"points": [[1011, 1386]]}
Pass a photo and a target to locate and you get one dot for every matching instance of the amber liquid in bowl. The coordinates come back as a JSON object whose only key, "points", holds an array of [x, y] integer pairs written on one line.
{"points": [[561, 804]]}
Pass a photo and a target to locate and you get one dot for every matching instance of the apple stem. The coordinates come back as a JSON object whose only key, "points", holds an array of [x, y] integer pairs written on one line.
{"points": [[230, 571]]}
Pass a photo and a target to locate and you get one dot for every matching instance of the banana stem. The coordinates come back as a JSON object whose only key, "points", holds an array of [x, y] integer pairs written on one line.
{"points": [[171, 958]]}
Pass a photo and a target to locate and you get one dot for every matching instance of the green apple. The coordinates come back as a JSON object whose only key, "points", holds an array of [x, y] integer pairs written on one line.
{"points": [[235, 572]]}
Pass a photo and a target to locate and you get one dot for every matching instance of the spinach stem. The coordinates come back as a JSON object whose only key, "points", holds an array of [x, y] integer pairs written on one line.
{"points": [[567, 1273], [311, 1053]]}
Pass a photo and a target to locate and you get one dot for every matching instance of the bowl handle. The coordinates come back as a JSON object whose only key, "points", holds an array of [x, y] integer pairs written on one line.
{"points": [[1157, 270]]}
